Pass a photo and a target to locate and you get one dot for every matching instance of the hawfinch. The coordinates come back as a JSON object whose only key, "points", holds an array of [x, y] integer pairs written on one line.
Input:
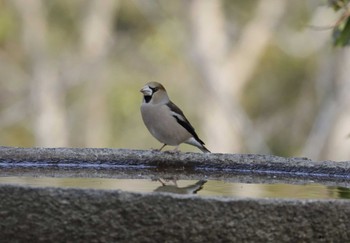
{"points": [[165, 121], [174, 188]]}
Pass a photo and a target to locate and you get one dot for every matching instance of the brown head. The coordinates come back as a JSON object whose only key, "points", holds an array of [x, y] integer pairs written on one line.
{"points": [[154, 93]]}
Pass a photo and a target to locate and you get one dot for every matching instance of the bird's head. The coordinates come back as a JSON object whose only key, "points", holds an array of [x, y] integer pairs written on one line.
{"points": [[154, 92]]}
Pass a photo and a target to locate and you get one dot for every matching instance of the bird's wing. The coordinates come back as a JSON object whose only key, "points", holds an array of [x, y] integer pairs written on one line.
{"points": [[182, 120]]}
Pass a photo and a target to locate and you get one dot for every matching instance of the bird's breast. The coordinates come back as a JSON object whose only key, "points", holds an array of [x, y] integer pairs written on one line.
{"points": [[162, 125]]}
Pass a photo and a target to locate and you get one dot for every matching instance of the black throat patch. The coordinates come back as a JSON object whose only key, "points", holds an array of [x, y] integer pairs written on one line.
{"points": [[147, 98]]}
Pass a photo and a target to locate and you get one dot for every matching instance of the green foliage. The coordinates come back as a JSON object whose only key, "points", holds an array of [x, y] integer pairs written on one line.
{"points": [[341, 31]]}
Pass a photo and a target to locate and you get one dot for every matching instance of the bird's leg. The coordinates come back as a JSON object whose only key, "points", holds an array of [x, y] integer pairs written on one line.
{"points": [[162, 147], [175, 182], [161, 181], [174, 151]]}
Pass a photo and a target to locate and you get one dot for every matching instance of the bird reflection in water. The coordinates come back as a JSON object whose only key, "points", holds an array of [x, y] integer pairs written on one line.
{"points": [[172, 187]]}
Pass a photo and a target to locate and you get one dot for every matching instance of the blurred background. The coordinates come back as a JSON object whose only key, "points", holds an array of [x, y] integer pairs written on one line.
{"points": [[254, 76]]}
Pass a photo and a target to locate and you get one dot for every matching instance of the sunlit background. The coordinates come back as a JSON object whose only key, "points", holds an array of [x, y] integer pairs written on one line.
{"points": [[257, 76]]}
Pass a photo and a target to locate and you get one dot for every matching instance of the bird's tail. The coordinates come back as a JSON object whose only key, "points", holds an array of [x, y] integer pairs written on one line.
{"points": [[204, 149], [198, 143], [198, 186]]}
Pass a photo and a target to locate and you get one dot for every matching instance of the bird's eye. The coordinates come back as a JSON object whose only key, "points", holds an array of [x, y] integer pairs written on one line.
{"points": [[155, 89]]}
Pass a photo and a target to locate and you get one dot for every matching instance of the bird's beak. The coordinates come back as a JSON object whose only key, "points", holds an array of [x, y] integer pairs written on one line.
{"points": [[146, 91]]}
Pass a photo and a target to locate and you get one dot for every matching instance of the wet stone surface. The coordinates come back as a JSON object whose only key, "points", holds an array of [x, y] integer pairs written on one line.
{"points": [[66, 214], [124, 163]]}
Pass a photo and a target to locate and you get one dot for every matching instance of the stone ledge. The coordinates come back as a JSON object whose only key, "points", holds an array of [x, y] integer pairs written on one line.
{"points": [[74, 215], [77, 215], [147, 158]]}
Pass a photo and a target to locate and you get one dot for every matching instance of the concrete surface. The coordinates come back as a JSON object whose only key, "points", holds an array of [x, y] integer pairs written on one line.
{"points": [[145, 159], [78, 215], [70, 215]]}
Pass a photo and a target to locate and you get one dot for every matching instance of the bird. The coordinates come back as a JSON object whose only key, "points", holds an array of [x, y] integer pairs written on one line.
{"points": [[165, 121], [174, 188]]}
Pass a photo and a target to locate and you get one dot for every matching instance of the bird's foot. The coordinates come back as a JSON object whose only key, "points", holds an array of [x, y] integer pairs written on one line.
{"points": [[175, 151], [154, 150]]}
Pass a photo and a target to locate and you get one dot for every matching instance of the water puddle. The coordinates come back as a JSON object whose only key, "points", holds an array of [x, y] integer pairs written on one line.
{"points": [[202, 188]]}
